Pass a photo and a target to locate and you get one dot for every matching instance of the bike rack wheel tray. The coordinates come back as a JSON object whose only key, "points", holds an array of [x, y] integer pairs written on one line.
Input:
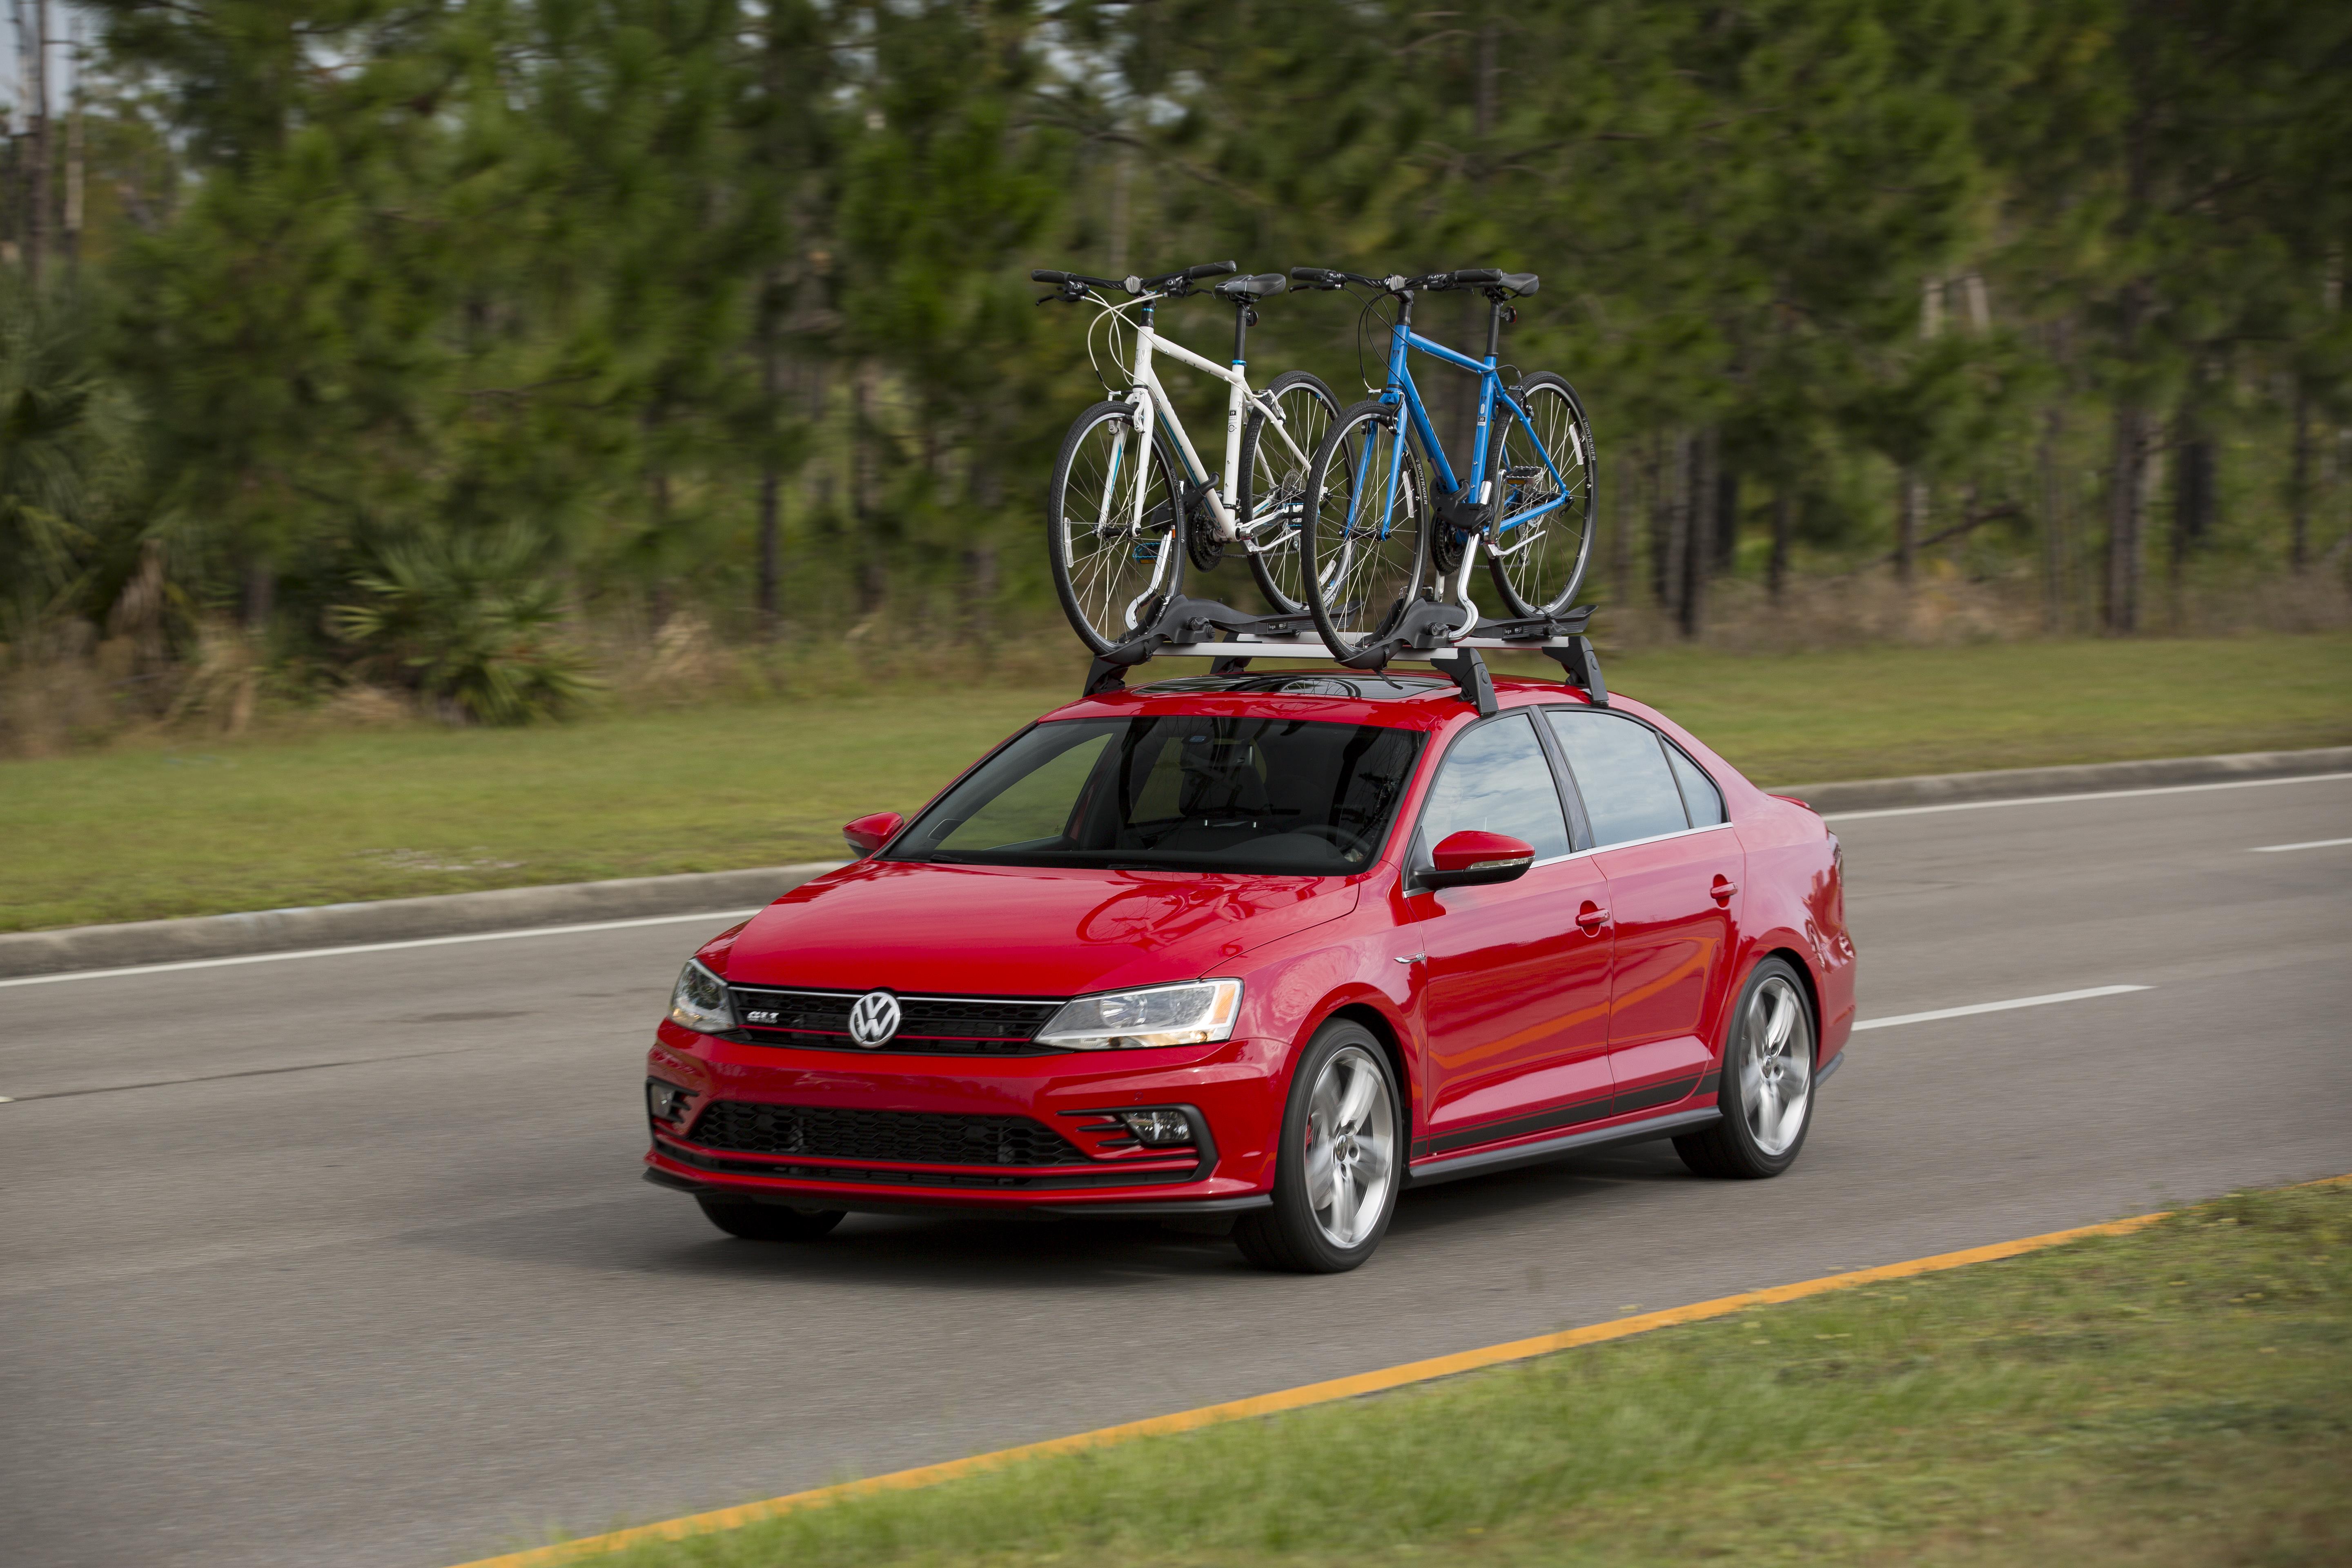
{"points": [[1424, 631]]}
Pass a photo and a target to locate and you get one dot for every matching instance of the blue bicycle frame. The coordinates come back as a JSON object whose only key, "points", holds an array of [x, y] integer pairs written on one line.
{"points": [[1491, 392]]}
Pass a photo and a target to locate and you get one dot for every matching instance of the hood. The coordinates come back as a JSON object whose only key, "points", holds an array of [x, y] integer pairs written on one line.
{"points": [[997, 931]]}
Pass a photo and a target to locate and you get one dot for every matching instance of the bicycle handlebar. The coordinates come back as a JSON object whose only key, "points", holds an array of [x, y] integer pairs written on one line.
{"points": [[1162, 283], [1467, 277]]}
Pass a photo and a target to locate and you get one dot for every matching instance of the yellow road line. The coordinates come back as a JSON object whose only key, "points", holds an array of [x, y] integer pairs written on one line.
{"points": [[1363, 1383]]}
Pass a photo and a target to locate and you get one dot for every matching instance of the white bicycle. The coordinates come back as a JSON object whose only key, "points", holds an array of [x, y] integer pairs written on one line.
{"points": [[1131, 502]]}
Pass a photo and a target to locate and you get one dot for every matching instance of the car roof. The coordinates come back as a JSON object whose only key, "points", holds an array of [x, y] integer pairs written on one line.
{"points": [[1400, 700]]}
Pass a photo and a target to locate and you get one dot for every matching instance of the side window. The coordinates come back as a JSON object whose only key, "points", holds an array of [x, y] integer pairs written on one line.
{"points": [[1706, 801], [1496, 778], [1621, 771]]}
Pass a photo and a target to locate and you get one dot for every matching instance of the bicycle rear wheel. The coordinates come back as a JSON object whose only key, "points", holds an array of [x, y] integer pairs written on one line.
{"points": [[1106, 569], [1365, 540], [1275, 460], [1537, 566]]}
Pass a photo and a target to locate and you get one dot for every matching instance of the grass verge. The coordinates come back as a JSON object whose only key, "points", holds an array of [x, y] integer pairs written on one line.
{"points": [[2182, 1394], [151, 831]]}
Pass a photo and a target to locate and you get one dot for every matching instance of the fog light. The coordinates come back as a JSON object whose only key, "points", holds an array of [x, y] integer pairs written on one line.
{"points": [[666, 1101], [1158, 1128]]}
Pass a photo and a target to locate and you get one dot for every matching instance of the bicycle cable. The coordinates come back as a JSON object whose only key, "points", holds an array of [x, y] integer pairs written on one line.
{"points": [[1370, 302]]}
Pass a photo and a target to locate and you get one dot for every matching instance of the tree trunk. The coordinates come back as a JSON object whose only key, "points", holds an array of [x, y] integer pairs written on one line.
{"points": [[34, 40], [1727, 512], [258, 600], [1776, 569], [2192, 494], [2127, 508], [1122, 186], [1699, 554], [2298, 543], [74, 160], [771, 478], [1620, 541], [1677, 534], [1910, 510], [2054, 522], [872, 574]]}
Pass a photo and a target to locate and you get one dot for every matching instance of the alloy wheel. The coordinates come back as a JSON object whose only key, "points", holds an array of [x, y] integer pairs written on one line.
{"points": [[1350, 1147]]}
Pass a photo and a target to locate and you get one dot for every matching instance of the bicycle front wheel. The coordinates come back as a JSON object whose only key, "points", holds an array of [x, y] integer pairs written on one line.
{"points": [[1275, 460], [1366, 535], [1107, 565], [1539, 565]]}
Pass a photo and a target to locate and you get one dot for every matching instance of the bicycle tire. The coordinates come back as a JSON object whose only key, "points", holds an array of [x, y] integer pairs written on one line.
{"points": [[1355, 594], [1309, 410], [1091, 563], [1536, 576]]}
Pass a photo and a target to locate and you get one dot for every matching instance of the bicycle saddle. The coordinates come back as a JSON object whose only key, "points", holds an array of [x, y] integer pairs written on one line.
{"points": [[1257, 287], [1517, 282]]}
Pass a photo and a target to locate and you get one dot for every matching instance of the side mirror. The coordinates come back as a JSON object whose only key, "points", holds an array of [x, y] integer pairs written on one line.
{"points": [[1472, 858], [868, 834]]}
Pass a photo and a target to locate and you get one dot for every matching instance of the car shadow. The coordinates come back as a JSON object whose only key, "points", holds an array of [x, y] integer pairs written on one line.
{"points": [[649, 1231]]}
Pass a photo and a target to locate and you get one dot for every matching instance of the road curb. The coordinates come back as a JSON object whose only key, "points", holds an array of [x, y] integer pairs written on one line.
{"points": [[2010, 784], [24, 953], [60, 951]]}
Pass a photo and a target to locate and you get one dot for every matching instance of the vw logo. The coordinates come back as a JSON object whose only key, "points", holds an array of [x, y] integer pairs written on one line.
{"points": [[874, 1019]]}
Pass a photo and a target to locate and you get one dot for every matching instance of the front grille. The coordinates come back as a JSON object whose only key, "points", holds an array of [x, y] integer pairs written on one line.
{"points": [[912, 1137], [944, 1026]]}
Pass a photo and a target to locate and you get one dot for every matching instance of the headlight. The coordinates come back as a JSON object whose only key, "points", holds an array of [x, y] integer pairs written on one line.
{"points": [[1189, 1015], [700, 1003]]}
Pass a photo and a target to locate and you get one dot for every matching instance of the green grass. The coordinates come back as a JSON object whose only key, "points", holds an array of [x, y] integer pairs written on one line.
{"points": [[2179, 1395], [144, 831]]}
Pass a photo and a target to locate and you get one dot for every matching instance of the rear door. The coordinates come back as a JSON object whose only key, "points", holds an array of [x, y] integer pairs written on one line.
{"points": [[1515, 991], [1673, 868]]}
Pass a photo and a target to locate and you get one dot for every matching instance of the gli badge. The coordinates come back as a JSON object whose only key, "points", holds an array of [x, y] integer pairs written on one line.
{"points": [[874, 1019]]}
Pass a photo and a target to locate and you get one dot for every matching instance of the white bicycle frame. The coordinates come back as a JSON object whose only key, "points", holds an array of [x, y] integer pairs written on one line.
{"points": [[1150, 400]]}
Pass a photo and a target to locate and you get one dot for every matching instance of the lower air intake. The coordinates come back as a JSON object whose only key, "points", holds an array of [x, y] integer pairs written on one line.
{"points": [[912, 1137]]}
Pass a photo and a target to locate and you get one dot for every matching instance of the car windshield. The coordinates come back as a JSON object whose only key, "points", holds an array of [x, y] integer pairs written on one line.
{"points": [[1271, 795]]}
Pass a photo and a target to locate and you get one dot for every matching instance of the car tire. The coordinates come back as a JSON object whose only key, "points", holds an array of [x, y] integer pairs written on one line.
{"points": [[1341, 1160], [769, 1222], [1767, 1095]]}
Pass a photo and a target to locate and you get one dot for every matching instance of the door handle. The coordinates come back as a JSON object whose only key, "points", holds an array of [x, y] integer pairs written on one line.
{"points": [[1591, 917], [1723, 890]]}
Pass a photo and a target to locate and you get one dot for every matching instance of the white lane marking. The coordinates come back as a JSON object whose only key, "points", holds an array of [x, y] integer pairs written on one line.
{"points": [[2093, 795], [2283, 848], [1997, 1006], [378, 947]]}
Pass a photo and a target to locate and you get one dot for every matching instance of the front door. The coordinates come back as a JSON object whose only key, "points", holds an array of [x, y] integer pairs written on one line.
{"points": [[1673, 869], [1515, 992]]}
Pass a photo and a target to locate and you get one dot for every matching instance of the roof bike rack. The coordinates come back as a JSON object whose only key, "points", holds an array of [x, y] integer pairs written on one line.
{"points": [[1424, 631]]}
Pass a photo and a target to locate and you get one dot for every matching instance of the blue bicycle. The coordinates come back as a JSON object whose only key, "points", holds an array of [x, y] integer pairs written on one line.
{"points": [[1378, 517]]}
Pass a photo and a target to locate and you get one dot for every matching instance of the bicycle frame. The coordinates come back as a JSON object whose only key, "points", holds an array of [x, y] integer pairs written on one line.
{"points": [[1400, 390], [1150, 397]]}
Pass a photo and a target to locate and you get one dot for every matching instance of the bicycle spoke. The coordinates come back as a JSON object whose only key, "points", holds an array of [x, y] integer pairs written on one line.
{"points": [[1543, 464], [1105, 564], [1367, 543]]}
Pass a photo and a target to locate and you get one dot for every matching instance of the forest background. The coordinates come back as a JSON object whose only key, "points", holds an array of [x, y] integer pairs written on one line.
{"points": [[469, 356]]}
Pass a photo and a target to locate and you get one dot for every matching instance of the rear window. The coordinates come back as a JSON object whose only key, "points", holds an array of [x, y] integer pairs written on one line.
{"points": [[1183, 794]]}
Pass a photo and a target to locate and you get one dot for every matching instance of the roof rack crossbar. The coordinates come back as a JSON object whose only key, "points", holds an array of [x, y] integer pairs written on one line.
{"points": [[1424, 631]]}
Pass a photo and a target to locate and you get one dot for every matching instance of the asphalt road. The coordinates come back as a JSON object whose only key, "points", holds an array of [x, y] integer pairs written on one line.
{"points": [[346, 1259]]}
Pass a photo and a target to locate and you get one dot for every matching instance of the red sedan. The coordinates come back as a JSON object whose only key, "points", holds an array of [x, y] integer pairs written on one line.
{"points": [[1273, 946]]}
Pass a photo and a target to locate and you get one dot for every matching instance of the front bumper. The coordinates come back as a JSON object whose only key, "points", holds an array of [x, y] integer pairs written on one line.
{"points": [[1231, 1091]]}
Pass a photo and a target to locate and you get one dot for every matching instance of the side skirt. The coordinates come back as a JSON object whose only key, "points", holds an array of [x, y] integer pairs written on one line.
{"points": [[1430, 1172]]}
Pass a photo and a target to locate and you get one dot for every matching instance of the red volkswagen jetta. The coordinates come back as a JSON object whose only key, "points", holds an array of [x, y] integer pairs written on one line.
{"points": [[1272, 946]]}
